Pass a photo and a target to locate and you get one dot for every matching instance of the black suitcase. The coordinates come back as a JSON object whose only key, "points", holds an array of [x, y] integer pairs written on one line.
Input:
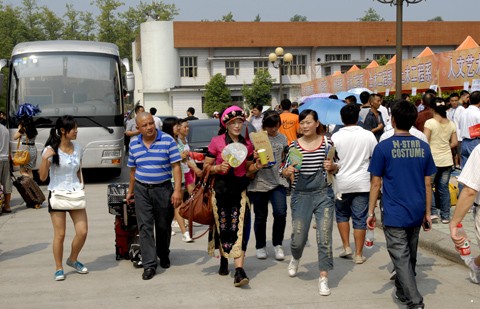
{"points": [[29, 190]]}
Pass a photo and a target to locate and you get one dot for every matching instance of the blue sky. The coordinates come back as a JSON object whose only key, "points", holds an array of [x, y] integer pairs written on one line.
{"points": [[276, 10]]}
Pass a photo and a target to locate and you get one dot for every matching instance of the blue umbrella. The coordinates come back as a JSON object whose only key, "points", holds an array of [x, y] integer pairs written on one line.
{"points": [[328, 110], [343, 94]]}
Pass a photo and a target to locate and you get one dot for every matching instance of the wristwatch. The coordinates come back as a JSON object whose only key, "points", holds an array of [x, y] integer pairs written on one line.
{"points": [[371, 215]]}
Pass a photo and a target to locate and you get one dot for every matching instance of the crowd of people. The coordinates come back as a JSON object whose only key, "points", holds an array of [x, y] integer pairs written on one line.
{"points": [[394, 154]]}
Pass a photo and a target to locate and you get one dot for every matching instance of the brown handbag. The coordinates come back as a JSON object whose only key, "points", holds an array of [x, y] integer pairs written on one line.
{"points": [[198, 207], [21, 156]]}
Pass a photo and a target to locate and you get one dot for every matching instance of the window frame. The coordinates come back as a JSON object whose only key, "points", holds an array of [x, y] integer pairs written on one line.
{"points": [[189, 66]]}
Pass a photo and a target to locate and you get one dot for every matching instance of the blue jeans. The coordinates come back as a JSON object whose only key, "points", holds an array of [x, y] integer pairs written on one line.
{"points": [[402, 247], [442, 194], [354, 205], [304, 206], [467, 147], [278, 199]]}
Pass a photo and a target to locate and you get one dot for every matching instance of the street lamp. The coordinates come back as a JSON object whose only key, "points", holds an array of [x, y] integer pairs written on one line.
{"points": [[279, 61], [399, 34]]}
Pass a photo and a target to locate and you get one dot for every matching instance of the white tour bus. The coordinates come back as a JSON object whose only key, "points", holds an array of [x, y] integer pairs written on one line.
{"points": [[78, 78]]}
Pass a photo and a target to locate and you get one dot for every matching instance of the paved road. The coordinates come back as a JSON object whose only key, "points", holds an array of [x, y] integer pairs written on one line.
{"points": [[26, 272]]}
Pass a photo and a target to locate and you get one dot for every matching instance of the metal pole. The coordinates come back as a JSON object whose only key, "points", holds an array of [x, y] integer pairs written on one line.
{"points": [[280, 67], [398, 64]]}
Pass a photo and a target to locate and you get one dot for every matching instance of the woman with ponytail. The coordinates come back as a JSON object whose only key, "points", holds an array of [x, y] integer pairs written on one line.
{"points": [[62, 158]]}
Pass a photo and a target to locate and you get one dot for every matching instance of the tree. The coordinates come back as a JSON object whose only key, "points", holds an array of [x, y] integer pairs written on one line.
{"points": [[382, 60], [217, 94], [88, 26], [297, 17], [371, 15], [32, 17], [437, 18], [72, 23], [51, 24], [257, 18], [228, 17], [108, 20], [259, 92]]}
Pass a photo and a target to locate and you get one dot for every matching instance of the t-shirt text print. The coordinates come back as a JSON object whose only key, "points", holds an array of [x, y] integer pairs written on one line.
{"points": [[407, 149]]}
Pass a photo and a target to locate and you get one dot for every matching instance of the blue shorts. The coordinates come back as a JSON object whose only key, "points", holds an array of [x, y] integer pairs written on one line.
{"points": [[355, 206]]}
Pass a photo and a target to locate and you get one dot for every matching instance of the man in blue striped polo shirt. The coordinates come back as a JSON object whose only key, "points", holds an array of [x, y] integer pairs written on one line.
{"points": [[153, 159]]}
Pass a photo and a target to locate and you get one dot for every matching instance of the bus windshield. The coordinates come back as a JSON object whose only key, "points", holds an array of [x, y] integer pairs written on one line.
{"points": [[66, 84]]}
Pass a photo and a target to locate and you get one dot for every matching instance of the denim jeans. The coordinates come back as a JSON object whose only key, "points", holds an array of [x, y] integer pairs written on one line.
{"points": [[467, 147], [304, 206], [442, 194], [402, 247], [355, 206], [278, 199]]}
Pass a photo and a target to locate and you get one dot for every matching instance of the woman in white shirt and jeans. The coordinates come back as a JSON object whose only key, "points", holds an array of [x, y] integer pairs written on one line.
{"points": [[62, 158]]}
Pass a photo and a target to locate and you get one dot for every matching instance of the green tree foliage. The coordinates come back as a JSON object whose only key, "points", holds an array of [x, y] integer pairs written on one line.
{"points": [[228, 17], [51, 24], [371, 15], [108, 22], [297, 17], [88, 26], [259, 92], [437, 18], [217, 94], [72, 24], [382, 61], [32, 17], [257, 18]]}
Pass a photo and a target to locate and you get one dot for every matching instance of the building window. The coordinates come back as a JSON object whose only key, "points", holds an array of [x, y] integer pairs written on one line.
{"points": [[345, 68], [298, 65], [188, 66], [337, 57], [328, 71], [379, 56], [232, 68], [259, 65]]}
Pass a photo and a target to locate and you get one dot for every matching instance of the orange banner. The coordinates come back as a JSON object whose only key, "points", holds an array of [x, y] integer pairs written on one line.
{"points": [[447, 70]]}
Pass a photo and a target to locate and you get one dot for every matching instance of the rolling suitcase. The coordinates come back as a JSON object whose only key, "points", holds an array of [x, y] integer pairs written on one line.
{"points": [[126, 241], [29, 190]]}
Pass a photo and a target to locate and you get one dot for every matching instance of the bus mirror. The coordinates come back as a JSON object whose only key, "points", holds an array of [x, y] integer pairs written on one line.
{"points": [[126, 63], [1, 83], [3, 63], [130, 81]]}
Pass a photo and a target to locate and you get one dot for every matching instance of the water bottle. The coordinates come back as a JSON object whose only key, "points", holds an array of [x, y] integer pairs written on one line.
{"points": [[369, 238], [465, 252]]}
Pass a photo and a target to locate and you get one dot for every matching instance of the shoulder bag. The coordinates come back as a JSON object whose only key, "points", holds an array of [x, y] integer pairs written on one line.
{"points": [[198, 207], [21, 156], [68, 200]]}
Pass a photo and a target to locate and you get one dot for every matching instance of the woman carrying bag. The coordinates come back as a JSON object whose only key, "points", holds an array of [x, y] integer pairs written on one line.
{"points": [[62, 159], [27, 134]]}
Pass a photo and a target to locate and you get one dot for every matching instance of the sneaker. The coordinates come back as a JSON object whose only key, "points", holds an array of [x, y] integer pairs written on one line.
{"points": [[173, 233], [434, 218], [323, 288], [175, 224], [359, 259], [79, 267], [186, 237], [261, 253], [240, 278], [293, 267], [279, 254], [445, 221], [59, 275], [346, 253]]}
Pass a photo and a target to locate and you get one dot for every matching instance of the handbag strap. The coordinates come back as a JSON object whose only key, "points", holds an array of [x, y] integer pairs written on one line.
{"points": [[19, 139]]}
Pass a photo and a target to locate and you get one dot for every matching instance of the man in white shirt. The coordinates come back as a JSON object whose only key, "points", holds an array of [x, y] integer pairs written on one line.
{"points": [[469, 118], [354, 146], [5, 178], [158, 121], [454, 114], [469, 195]]}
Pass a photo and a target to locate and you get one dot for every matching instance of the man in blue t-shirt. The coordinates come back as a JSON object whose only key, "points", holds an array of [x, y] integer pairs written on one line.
{"points": [[405, 164]]}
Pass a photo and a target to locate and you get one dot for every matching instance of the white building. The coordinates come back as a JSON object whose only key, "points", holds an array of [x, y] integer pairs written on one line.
{"points": [[174, 60]]}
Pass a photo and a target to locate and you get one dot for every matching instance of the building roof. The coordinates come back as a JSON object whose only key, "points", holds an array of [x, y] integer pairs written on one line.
{"points": [[321, 34]]}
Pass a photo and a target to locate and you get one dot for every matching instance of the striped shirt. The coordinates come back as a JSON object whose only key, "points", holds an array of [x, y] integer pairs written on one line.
{"points": [[153, 165], [312, 159]]}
